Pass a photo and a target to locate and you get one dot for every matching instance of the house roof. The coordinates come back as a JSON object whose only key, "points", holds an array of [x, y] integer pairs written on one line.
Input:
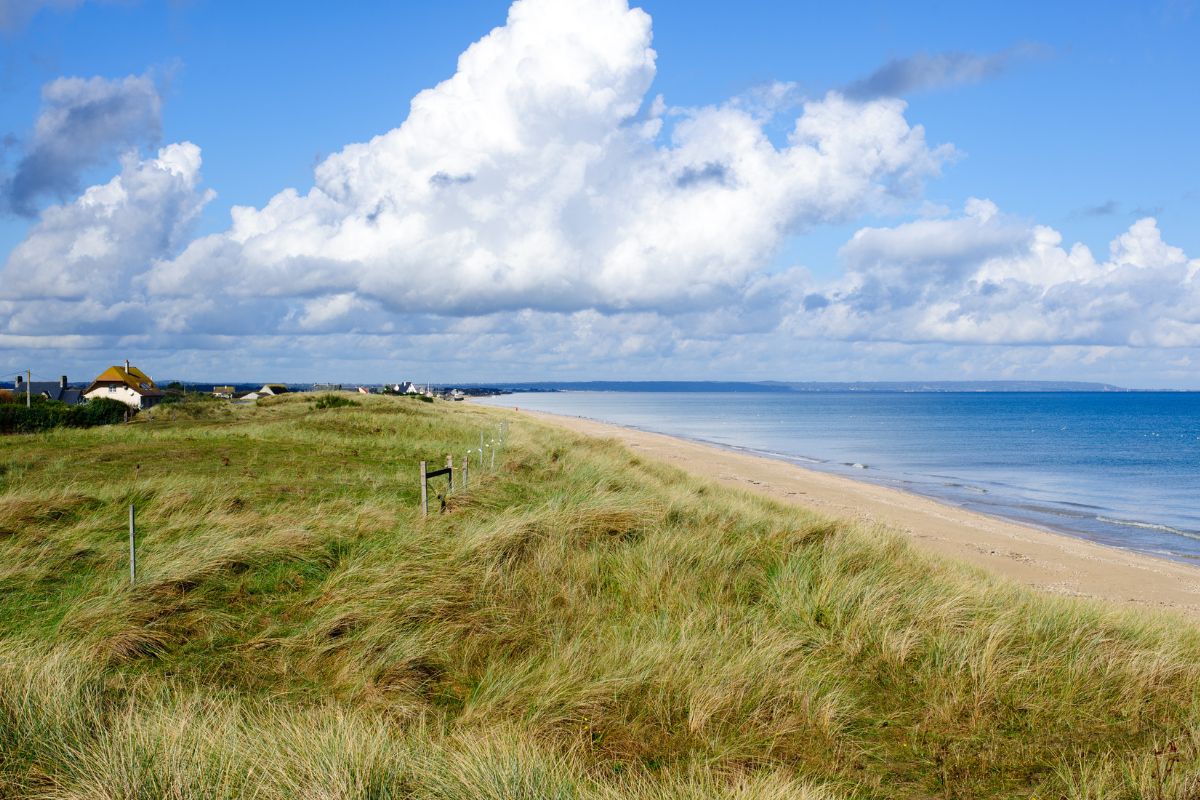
{"points": [[134, 378], [51, 389], [48, 388]]}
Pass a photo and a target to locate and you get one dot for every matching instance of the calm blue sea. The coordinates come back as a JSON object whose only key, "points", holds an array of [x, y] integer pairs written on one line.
{"points": [[1118, 468]]}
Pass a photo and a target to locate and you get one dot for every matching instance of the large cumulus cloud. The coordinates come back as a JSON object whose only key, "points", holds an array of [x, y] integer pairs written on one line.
{"points": [[538, 177]]}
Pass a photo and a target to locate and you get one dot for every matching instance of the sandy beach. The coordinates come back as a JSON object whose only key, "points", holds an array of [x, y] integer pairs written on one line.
{"points": [[1043, 560]]}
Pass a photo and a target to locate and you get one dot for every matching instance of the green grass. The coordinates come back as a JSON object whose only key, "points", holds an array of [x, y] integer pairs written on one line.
{"points": [[333, 401], [580, 624]]}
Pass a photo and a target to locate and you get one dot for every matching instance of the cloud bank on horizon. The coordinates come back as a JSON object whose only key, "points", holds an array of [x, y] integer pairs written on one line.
{"points": [[539, 211]]}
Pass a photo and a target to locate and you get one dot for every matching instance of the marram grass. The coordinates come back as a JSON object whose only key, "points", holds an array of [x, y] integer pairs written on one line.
{"points": [[581, 624]]}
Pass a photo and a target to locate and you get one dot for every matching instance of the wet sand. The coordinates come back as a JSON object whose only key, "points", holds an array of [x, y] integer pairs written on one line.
{"points": [[1044, 560]]}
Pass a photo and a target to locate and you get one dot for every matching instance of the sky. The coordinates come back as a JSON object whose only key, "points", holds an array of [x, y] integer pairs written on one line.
{"points": [[598, 189]]}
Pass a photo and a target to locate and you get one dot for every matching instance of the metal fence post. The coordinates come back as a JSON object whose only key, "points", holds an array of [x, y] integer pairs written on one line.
{"points": [[424, 492], [132, 548]]}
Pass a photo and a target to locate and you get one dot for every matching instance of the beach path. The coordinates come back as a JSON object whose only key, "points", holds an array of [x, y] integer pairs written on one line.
{"points": [[1044, 560]]}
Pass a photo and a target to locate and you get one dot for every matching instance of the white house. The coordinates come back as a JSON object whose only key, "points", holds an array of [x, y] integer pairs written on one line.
{"points": [[128, 384], [268, 390]]}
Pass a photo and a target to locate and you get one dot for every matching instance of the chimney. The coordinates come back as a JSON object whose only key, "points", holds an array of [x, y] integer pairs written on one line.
{"points": [[62, 382], [20, 381], [127, 365]]}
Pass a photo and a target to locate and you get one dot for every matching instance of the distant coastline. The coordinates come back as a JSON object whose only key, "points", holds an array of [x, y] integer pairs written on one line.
{"points": [[755, 387], [808, 386]]}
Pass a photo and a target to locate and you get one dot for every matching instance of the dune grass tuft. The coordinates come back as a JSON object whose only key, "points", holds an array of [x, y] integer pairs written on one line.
{"points": [[580, 624]]}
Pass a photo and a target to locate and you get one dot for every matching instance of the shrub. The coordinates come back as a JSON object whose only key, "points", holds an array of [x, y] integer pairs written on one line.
{"points": [[6, 396], [45, 414], [334, 401], [175, 396], [97, 411]]}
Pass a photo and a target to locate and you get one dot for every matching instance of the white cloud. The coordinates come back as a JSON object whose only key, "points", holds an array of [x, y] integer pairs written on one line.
{"points": [[528, 180], [80, 263], [986, 277], [539, 215]]}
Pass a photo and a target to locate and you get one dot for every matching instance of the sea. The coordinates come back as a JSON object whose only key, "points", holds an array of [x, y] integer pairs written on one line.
{"points": [[1119, 468]]}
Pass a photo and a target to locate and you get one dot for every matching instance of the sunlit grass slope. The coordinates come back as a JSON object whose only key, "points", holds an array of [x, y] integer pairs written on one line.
{"points": [[580, 624]]}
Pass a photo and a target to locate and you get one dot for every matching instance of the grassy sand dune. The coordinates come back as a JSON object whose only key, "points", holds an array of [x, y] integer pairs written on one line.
{"points": [[581, 624]]}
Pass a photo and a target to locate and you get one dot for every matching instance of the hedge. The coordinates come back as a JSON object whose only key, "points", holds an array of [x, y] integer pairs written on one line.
{"points": [[16, 418]]}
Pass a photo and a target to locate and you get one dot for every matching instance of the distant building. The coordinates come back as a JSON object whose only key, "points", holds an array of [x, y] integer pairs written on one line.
{"points": [[268, 390], [224, 392], [50, 390], [128, 384], [327, 387]]}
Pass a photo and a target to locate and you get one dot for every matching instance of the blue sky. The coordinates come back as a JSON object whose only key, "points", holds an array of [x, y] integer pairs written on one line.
{"points": [[1078, 118]]}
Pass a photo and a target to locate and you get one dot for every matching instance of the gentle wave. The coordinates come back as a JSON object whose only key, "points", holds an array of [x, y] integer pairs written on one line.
{"points": [[966, 487], [1150, 526]]}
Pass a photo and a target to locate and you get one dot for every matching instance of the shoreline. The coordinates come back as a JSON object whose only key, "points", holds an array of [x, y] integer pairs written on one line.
{"points": [[869, 476], [1042, 559]]}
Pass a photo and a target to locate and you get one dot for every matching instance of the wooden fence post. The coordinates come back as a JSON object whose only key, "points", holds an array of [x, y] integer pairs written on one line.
{"points": [[466, 469], [132, 548], [424, 492]]}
